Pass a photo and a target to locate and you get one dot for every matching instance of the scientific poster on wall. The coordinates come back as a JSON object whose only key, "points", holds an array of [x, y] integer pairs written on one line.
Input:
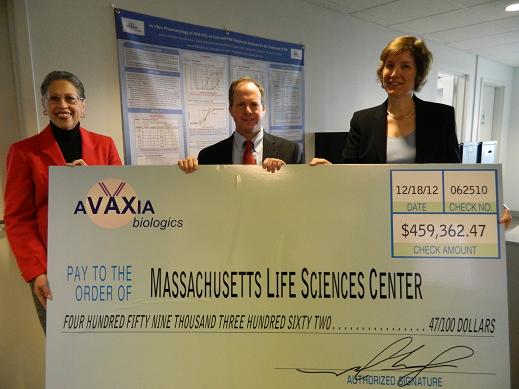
{"points": [[297, 279], [174, 81]]}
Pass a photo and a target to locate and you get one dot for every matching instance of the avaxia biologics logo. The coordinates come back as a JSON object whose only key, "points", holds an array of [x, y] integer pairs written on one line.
{"points": [[113, 203]]}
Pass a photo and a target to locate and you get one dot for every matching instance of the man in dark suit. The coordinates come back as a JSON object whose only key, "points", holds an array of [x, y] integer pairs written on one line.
{"points": [[249, 144]]}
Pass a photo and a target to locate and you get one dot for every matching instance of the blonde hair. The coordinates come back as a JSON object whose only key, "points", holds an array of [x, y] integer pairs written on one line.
{"points": [[417, 48]]}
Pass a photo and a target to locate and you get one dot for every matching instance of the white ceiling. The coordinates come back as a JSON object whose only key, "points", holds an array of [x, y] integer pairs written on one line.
{"points": [[479, 26]]}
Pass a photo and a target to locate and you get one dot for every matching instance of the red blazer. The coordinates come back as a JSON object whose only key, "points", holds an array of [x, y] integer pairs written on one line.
{"points": [[27, 188]]}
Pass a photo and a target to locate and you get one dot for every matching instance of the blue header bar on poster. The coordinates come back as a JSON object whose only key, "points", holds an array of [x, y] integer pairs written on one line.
{"points": [[158, 31]]}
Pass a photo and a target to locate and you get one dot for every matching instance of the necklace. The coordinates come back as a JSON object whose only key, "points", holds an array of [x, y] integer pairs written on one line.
{"points": [[411, 113]]}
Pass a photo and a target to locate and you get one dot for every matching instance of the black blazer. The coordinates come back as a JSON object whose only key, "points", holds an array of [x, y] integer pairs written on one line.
{"points": [[436, 140], [273, 147]]}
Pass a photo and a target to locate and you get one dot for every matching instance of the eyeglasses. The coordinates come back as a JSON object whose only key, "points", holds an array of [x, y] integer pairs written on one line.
{"points": [[69, 99]]}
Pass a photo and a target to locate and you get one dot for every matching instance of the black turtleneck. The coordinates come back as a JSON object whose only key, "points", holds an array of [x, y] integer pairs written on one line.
{"points": [[69, 142]]}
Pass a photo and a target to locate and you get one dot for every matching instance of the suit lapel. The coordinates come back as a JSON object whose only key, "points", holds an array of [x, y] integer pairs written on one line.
{"points": [[49, 147], [379, 131], [88, 150], [269, 146], [421, 124], [227, 149]]}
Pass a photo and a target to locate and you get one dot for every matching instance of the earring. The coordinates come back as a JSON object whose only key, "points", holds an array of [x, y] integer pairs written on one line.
{"points": [[45, 112]]}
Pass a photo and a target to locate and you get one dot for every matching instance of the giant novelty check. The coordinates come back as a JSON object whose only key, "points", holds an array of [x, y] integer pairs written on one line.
{"points": [[312, 277]]}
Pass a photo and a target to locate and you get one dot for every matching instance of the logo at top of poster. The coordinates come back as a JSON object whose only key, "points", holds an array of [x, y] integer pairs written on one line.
{"points": [[133, 26], [112, 203], [296, 54]]}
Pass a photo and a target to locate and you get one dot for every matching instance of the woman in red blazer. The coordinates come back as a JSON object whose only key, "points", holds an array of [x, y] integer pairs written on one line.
{"points": [[62, 142]]}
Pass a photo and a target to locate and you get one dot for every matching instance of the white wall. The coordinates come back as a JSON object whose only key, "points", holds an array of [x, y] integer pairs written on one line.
{"points": [[502, 76], [511, 177], [498, 75], [453, 61]]}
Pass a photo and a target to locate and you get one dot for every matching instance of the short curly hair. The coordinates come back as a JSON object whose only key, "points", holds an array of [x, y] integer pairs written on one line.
{"points": [[62, 75], [421, 54]]}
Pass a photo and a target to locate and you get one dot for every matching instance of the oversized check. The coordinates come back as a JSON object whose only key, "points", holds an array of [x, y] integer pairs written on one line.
{"points": [[313, 277]]}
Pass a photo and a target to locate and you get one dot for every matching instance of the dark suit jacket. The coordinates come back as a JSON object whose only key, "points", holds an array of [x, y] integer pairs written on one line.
{"points": [[436, 140], [273, 147], [27, 190]]}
